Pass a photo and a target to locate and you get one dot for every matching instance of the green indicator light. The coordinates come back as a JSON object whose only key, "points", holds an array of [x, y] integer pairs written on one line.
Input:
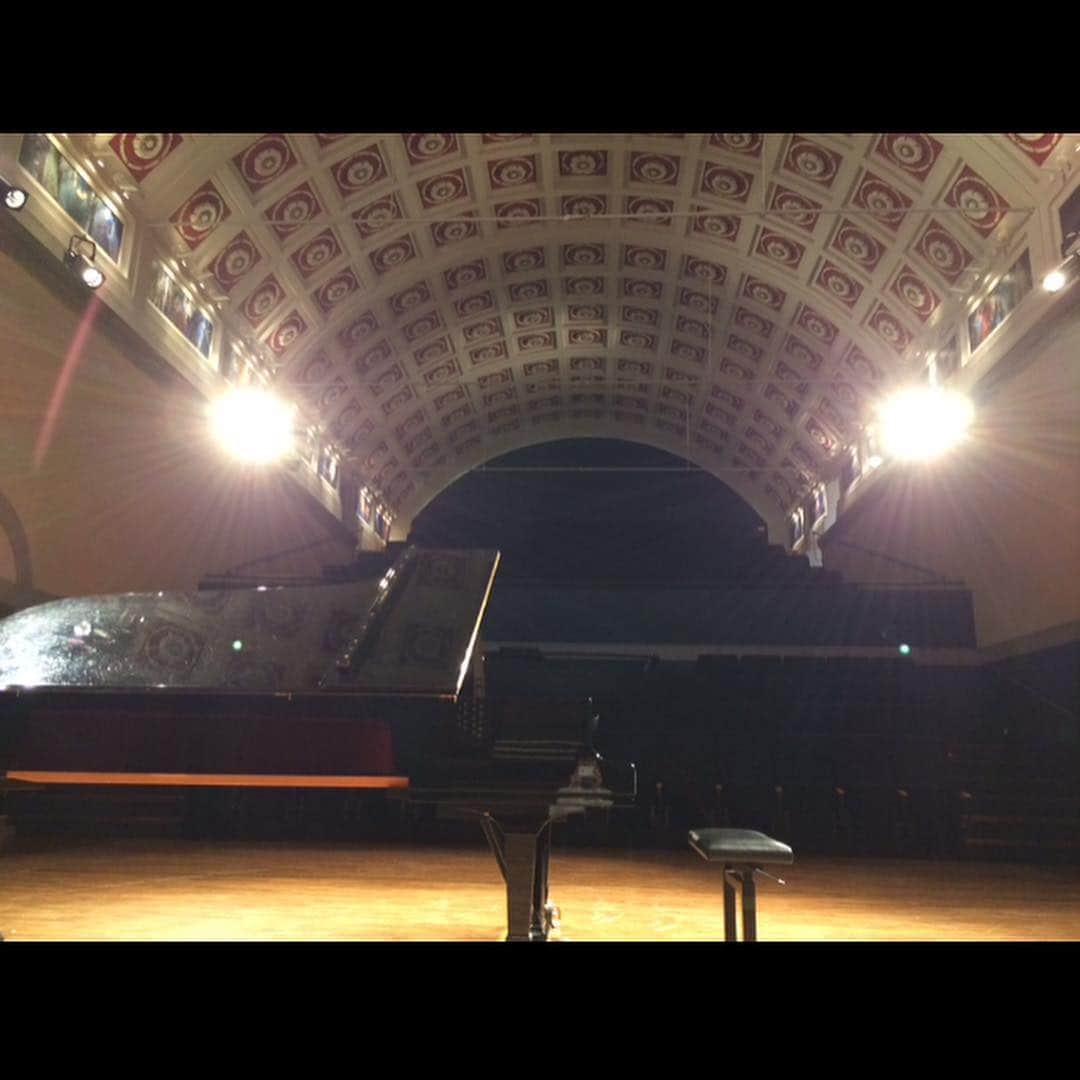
{"points": [[237, 645], [905, 650]]}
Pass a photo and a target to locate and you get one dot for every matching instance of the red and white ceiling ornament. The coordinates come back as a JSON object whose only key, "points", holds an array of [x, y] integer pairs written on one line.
{"points": [[518, 262], [699, 301], [393, 255], [358, 330], [332, 292], [586, 336], [889, 328], [753, 322], [644, 258], [142, 154], [293, 211], [583, 205], [518, 212], [915, 154], [746, 349], [802, 354], [796, 210], [458, 277], [654, 168], [645, 210], [512, 172], [524, 291], [636, 287], [981, 206], [694, 327], [266, 296], [454, 231], [531, 318], [445, 188], [918, 296], [482, 330], [473, 305], [749, 145], [882, 200], [264, 161], [412, 296], [837, 284], [1037, 147], [763, 293], [943, 252], [377, 215], [716, 226], [423, 149], [422, 326], [812, 161], [200, 215], [360, 171], [780, 249], [816, 324], [536, 341], [723, 182], [234, 261], [704, 269], [583, 163], [431, 352], [316, 253], [632, 314], [637, 339], [289, 330], [860, 366], [860, 246]]}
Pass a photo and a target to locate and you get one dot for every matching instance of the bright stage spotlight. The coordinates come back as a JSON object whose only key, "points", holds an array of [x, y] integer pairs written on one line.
{"points": [[922, 422], [253, 425], [14, 197], [81, 253]]}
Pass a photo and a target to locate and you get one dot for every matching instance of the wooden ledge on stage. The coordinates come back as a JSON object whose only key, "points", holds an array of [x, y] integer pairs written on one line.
{"points": [[251, 780]]}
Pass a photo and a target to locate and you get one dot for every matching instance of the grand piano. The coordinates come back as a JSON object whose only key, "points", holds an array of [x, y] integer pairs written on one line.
{"points": [[363, 682]]}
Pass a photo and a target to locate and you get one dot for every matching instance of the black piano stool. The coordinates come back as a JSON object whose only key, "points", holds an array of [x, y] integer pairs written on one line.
{"points": [[743, 853]]}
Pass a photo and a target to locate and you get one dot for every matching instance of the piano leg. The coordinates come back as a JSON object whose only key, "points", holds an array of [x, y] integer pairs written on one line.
{"points": [[522, 847]]}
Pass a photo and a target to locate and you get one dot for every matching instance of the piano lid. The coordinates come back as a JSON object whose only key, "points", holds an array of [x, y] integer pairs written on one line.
{"points": [[411, 632]]}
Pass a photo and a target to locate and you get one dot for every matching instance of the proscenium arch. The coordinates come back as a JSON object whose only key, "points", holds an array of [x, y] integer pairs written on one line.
{"points": [[437, 482]]}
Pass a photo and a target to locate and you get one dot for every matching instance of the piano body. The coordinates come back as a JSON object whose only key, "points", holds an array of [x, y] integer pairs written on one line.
{"points": [[363, 683]]}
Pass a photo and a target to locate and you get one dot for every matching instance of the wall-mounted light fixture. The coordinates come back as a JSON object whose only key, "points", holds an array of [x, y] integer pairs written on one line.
{"points": [[81, 253], [14, 198], [1059, 277]]}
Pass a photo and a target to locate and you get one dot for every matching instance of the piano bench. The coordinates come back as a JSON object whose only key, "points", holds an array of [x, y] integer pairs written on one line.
{"points": [[743, 853]]}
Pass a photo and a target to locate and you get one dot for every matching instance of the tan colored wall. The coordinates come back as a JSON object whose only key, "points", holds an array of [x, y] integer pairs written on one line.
{"points": [[1002, 514], [128, 494]]}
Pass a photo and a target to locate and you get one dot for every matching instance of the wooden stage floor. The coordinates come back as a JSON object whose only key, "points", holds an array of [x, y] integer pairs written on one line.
{"points": [[171, 890]]}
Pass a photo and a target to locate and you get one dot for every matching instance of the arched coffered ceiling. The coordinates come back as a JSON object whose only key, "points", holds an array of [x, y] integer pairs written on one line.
{"points": [[433, 300]]}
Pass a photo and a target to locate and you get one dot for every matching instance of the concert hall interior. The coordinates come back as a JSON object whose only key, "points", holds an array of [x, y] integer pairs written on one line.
{"points": [[619, 503]]}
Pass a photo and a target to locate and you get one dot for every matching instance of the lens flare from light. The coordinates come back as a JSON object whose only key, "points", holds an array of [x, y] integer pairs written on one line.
{"points": [[922, 422], [1054, 281], [253, 425]]}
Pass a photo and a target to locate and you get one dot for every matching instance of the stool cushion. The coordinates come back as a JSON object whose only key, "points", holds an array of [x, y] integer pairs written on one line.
{"points": [[739, 846]]}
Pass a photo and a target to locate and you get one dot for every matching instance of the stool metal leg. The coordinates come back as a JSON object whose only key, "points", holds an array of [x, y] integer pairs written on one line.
{"points": [[729, 906], [749, 904]]}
